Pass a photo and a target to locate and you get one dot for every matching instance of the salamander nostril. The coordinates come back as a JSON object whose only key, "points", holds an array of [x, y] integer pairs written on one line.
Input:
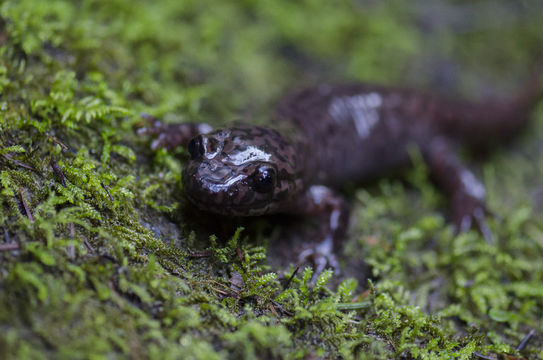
{"points": [[196, 147]]}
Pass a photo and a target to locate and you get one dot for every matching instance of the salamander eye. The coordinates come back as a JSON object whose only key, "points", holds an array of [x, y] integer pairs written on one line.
{"points": [[196, 147], [264, 179]]}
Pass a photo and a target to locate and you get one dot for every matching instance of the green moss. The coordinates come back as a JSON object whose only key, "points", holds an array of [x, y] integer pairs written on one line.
{"points": [[98, 258]]}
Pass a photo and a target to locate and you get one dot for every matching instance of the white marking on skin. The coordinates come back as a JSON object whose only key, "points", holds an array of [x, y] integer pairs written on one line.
{"points": [[318, 193], [251, 153], [210, 155], [338, 110], [334, 219], [325, 247], [472, 185], [204, 128], [156, 143], [224, 185], [362, 109]]}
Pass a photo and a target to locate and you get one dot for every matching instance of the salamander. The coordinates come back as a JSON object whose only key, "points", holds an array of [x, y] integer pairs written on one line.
{"points": [[347, 133]]}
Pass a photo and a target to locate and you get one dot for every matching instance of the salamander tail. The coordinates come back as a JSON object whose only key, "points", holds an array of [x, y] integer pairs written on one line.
{"points": [[494, 121]]}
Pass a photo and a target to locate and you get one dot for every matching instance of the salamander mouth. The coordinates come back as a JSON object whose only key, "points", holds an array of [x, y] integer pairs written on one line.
{"points": [[219, 195], [220, 208]]}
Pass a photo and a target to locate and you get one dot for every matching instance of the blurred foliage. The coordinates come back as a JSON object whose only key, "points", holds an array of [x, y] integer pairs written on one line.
{"points": [[97, 260]]}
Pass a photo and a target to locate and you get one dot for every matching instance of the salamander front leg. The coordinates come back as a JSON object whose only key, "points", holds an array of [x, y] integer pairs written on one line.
{"points": [[466, 192], [170, 136], [332, 213]]}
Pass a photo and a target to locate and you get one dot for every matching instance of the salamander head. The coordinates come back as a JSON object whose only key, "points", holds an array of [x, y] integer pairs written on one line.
{"points": [[241, 171]]}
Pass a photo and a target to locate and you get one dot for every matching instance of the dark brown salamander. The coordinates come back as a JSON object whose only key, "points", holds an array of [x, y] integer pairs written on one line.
{"points": [[344, 133]]}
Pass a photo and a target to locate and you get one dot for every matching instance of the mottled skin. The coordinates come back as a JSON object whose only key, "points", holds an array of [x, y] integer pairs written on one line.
{"points": [[344, 134], [226, 163]]}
